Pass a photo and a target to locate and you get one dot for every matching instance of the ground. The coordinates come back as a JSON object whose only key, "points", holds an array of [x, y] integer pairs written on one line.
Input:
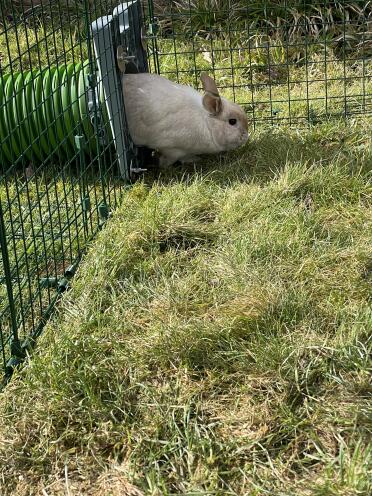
{"points": [[217, 336]]}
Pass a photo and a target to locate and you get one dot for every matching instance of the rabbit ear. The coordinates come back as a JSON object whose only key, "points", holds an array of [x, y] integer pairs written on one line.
{"points": [[211, 100]]}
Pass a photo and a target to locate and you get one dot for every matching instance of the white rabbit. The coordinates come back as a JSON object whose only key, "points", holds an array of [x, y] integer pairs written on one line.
{"points": [[179, 122]]}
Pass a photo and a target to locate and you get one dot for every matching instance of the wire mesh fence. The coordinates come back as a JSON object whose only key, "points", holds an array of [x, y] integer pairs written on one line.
{"points": [[295, 62], [60, 171], [289, 62]]}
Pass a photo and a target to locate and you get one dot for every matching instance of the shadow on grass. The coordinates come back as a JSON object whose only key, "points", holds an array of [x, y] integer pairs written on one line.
{"points": [[267, 153]]}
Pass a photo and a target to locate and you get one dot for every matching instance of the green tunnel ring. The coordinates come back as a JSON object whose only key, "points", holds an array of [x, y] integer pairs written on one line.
{"points": [[8, 114], [42, 111], [38, 117], [4, 145], [27, 105]]}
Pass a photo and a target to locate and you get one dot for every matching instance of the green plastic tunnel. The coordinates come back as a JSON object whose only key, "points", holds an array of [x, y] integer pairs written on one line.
{"points": [[42, 112]]}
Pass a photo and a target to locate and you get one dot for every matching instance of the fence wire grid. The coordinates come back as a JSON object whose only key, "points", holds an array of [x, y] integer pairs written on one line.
{"points": [[286, 62], [294, 62], [59, 169]]}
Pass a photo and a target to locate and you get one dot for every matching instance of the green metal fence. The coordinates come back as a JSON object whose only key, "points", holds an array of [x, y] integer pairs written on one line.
{"points": [[62, 169], [292, 62], [63, 161]]}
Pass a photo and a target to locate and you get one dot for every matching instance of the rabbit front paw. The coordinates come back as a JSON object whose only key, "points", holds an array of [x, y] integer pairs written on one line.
{"points": [[190, 159], [169, 157]]}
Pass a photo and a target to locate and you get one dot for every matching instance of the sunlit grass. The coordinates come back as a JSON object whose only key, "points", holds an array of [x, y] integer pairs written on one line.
{"points": [[216, 340]]}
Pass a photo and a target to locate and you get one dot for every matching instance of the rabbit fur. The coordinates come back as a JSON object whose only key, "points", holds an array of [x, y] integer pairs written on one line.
{"points": [[178, 121]]}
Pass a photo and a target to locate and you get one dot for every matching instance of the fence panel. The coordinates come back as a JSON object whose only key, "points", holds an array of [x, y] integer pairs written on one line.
{"points": [[291, 62], [60, 172]]}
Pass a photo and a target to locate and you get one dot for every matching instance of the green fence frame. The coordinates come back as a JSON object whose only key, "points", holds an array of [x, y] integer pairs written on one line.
{"points": [[62, 171]]}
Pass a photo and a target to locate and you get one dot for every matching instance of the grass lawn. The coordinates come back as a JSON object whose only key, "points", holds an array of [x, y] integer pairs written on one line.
{"points": [[216, 339]]}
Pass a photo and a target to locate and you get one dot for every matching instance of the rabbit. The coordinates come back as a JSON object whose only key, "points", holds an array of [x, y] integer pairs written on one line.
{"points": [[178, 121]]}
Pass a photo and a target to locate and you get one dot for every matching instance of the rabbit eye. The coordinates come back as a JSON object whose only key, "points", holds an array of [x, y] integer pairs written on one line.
{"points": [[232, 122]]}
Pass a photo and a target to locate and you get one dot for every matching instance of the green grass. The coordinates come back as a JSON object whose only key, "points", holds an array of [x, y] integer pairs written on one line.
{"points": [[339, 23], [217, 337]]}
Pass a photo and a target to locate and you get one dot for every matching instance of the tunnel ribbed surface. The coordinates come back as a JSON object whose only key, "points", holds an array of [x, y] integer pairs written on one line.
{"points": [[42, 112]]}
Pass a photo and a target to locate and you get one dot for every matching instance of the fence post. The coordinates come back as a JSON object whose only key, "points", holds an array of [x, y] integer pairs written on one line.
{"points": [[15, 344]]}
